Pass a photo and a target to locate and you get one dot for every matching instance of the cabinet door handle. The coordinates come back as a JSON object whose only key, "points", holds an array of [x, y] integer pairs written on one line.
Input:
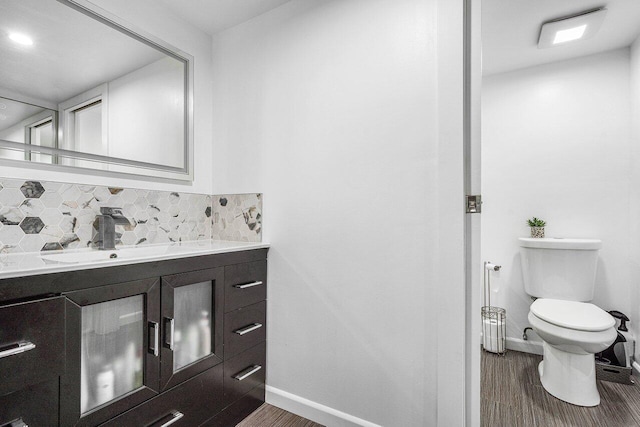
{"points": [[173, 417], [247, 372], [248, 329], [154, 339], [248, 285], [18, 348], [169, 329]]}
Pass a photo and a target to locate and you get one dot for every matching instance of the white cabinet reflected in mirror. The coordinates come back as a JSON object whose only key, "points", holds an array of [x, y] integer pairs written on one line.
{"points": [[80, 88]]}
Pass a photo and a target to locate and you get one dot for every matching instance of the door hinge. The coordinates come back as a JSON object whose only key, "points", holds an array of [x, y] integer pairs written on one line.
{"points": [[474, 204]]}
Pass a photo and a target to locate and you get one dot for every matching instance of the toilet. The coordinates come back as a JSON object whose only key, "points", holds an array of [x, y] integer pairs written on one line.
{"points": [[560, 274]]}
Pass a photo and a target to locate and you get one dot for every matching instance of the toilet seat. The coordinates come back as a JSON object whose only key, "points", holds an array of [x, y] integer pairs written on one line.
{"points": [[579, 316]]}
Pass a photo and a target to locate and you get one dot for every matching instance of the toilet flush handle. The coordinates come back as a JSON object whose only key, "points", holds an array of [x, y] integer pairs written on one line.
{"points": [[623, 320]]}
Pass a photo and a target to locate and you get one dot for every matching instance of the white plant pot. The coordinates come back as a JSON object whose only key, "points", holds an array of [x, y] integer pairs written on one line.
{"points": [[537, 232]]}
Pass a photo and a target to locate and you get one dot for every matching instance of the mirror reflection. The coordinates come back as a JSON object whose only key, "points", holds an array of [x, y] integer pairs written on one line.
{"points": [[78, 91]]}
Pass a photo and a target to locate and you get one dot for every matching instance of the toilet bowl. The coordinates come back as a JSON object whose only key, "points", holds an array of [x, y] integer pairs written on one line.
{"points": [[572, 332]]}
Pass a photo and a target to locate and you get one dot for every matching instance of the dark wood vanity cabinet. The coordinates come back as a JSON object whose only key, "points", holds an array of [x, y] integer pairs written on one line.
{"points": [[178, 342]]}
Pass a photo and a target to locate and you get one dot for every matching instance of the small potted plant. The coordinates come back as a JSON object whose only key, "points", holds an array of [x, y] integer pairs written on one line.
{"points": [[537, 227]]}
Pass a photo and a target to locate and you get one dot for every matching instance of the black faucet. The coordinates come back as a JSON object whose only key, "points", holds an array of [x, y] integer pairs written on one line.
{"points": [[106, 227]]}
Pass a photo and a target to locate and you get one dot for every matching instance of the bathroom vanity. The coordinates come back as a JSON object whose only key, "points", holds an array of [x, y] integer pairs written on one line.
{"points": [[177, 338]]}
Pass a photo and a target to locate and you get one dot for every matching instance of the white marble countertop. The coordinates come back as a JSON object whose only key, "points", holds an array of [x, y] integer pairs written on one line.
{"points": [[34, 263]]}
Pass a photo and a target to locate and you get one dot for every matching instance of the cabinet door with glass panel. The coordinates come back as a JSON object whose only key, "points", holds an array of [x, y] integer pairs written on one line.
{"points": [[192, 313], [113, 351]]}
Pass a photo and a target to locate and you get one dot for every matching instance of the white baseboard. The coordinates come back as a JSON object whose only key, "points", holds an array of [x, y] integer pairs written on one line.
{"points": [[529, 346], [636, 368], [312, 410]]}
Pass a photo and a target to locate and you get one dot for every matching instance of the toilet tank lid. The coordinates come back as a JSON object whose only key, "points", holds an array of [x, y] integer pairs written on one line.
{"points": [[580, 316], [559, 243]]}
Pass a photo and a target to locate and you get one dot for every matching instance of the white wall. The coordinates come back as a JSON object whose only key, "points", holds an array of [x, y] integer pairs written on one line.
{"points": [[634, 194], [556, 144], [157, 20], [347, 114]]}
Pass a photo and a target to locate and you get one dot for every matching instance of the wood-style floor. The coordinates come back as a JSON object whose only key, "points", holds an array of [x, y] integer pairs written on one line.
{"points": [[512, 396], [271, 416]]}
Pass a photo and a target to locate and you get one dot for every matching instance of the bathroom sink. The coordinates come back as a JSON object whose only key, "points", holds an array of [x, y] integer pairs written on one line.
{"points": [[96, 255]]}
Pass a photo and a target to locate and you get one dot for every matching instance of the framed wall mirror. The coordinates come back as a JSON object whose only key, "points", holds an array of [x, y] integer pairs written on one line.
{"points": [[80, 88]]}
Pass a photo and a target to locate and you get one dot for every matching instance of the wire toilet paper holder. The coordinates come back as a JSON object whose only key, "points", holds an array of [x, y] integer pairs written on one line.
{"points": [[494, 319]]}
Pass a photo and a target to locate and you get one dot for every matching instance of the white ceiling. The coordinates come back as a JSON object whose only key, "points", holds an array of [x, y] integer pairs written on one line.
{"points": [[510, 30], [213, 16]]}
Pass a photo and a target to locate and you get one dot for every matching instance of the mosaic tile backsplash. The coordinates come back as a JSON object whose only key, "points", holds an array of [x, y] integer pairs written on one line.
{"points": [[40, 215], [237, 217]]}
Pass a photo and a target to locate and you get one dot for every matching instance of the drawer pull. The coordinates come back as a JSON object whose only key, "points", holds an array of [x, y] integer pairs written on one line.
{"points": [[248, 329], [248, 285], [165, 421], [169, 329], [153, 345], [247, 372], [18, 348]]}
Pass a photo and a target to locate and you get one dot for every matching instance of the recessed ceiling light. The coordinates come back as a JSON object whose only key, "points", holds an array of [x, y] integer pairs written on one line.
{"points": [[570, 28], [563, 36], [21, 39]]}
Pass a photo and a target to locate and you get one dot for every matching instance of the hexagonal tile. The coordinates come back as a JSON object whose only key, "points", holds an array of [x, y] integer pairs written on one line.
{"points": [[51, 186], [11, 216], [89, 189], [153, 197], [129, 210], [141, 230], [32, 225], [69, 192], [141, 217], [102, 194], [31, 243], [51, 199], [85, 216], [11, 197], [163, 203], [51, 233], [129, 238], [69, 240], [32, 189], [85, 232], [51, 216], [85, 199], [12, 183], [128, 196], [173, 211], [67, 224], [51, 246], [115, 201], [32, 207], [10, 235]]}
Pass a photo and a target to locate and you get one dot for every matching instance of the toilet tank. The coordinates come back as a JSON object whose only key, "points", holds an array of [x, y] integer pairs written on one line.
{"points": [[559, 268]]}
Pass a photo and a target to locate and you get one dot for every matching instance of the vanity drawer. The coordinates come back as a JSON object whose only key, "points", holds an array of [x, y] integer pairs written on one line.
{"points": [[245, 284], [35, 405], [244, 328], [244, 372], [188, 404], [238, 410], [32, 344]]}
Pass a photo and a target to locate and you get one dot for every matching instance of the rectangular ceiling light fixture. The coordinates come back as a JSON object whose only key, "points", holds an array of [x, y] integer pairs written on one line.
{"points": [[569, 28]]}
